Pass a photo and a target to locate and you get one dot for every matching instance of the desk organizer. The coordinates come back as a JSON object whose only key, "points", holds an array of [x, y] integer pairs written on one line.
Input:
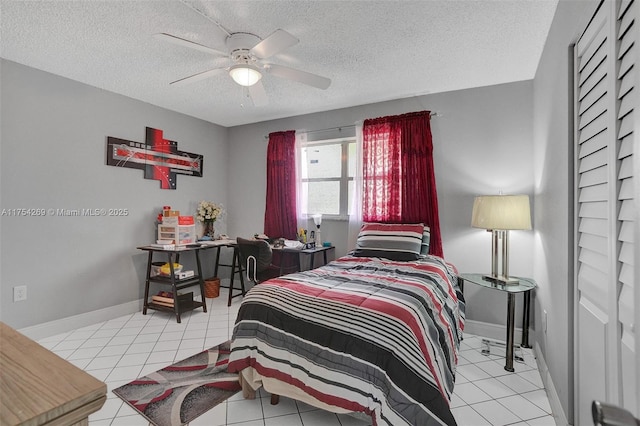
{"points": [[181, 230]]}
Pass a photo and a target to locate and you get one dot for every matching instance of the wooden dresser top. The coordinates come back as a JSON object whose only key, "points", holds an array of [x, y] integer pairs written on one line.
{"points": [[38, 387]]}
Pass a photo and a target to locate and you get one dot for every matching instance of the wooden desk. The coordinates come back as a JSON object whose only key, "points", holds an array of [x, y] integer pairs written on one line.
{"points": [[37, 387]]}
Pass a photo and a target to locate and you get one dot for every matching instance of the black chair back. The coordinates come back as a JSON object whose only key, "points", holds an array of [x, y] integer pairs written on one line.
{"points": [[255, 256]]}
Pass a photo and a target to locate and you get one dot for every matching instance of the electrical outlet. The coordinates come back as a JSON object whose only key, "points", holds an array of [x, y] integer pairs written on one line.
{"points": [[544, 321], [19, 293]]}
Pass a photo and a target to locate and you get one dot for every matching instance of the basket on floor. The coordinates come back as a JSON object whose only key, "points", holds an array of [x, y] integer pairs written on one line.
{"points": [[212, 287]]}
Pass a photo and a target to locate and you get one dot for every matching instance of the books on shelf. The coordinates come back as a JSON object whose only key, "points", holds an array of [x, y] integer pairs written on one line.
{"points": [[167, 304], [185, 274], [165, 298], [180, 275]]}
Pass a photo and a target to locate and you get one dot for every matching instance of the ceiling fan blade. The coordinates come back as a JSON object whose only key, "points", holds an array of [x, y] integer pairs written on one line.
{"points": [[186, 43], [258, 95], [299, 76], [196, 77], [278, 41]]}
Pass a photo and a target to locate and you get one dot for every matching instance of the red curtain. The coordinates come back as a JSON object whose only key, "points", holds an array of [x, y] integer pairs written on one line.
{"points": [[280, 219], [399, 184]]}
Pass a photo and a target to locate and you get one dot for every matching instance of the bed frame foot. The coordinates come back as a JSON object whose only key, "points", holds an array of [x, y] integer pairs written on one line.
{"points": [[247, 391], [275, 399]]}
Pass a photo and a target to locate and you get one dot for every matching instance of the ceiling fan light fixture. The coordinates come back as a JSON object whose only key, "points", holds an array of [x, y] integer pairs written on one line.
{"points": [[245, 74]]}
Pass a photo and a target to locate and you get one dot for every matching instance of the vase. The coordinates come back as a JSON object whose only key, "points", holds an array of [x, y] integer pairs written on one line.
{"points": [[209, 230]]}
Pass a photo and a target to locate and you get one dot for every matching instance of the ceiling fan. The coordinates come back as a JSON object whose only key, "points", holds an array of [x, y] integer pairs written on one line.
{"points": [[247, 53]]}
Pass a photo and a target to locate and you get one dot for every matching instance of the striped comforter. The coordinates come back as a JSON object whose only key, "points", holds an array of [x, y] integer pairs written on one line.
{"points": [[360, 334]]}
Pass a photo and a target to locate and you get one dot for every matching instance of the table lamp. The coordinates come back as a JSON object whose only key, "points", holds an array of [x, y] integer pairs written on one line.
{"points": [[317, 219], [500, 214]]}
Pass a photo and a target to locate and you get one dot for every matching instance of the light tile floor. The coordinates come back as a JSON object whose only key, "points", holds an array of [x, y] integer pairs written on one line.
{"points": [[131, 346]]}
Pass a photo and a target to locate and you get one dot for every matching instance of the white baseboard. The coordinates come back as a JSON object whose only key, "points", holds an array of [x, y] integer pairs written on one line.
{"points": [[493, 331], [51, 328], [554, 400]]}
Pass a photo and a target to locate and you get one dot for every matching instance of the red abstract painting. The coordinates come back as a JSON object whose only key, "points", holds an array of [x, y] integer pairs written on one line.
{"points": [[158, 157]]}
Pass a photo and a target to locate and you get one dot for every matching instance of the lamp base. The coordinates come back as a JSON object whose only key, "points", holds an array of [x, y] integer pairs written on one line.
{"points": [[500, 279]]}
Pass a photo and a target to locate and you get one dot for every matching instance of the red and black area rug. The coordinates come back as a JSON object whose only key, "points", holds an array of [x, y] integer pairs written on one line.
{"points": [[179, 393]]}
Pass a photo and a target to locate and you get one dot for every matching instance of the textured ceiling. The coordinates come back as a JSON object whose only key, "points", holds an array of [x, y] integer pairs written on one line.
{"points": [[371, 50]]}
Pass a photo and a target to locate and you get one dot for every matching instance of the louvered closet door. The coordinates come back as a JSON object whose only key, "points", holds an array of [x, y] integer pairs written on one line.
{"points": [[627, 52], [605, 77]]}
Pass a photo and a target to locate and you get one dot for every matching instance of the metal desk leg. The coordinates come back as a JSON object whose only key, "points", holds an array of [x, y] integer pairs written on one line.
{"points": [[233, 273], [204, 300], [147, 283], [511, 307], [236, 253], [235, 262], [174, 290], [215, 270], [311, 260], [525, 320]]}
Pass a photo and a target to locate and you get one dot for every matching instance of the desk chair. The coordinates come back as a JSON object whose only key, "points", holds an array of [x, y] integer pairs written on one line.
{"points": [[256, 256]]}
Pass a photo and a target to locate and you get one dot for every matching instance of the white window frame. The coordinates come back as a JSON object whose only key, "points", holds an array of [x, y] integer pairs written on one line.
{"points": [[344, 178]]}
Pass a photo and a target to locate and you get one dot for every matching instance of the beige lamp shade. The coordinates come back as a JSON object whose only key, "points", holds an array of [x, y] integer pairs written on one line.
{"points": [[501, 212]]}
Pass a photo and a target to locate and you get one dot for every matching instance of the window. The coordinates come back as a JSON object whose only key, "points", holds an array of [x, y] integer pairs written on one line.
{"points": [[327, 171]]}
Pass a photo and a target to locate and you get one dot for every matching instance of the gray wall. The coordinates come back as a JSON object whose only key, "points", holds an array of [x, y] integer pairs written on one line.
{"points": [[53, 151], [553, 170], [53, 137], [482, 145]]}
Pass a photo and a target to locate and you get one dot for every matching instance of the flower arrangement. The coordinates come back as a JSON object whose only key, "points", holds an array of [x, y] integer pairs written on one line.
{"points": [[208, 211]]}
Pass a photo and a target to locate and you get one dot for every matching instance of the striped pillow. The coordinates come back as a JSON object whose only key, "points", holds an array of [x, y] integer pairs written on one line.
{"points": [[392, 241], [426, 239]]}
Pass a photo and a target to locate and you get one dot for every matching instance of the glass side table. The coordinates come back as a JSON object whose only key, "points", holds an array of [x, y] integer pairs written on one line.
{"points": [[524, 286]]}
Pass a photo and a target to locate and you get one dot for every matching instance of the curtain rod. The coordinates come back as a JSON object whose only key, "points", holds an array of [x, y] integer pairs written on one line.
{"points": [[338, 128], [348, 126]]}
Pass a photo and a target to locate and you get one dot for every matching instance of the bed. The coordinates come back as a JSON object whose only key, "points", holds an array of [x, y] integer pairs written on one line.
{"points": [[365, 334]]}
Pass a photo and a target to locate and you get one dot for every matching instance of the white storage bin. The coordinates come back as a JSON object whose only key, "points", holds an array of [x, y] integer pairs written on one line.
{"points": [[179, 234]]}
